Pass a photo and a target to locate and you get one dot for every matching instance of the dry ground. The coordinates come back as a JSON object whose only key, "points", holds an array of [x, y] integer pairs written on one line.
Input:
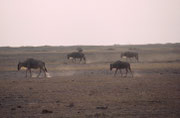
{"points": [[90, 90]]}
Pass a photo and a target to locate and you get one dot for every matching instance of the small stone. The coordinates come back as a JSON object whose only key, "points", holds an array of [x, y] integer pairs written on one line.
{"points": [[101, 107], [13, 109], [19, 106], [44, 111], [71, 105]]}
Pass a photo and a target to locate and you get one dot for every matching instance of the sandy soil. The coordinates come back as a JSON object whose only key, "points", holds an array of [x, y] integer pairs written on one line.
{"points": [[91, 91]]}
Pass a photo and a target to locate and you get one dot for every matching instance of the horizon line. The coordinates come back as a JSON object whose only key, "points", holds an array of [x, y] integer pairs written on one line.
{"points": [[88, 45]]}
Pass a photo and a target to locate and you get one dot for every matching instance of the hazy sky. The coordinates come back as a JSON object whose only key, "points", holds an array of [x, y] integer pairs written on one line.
{"points": [[88, 22]]}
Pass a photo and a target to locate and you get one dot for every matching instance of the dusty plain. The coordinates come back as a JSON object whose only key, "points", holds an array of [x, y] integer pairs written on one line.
{"points": [[78, 90]]}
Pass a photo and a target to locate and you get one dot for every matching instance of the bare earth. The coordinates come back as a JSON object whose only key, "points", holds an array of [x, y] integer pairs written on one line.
{"points": [[90, 90]]}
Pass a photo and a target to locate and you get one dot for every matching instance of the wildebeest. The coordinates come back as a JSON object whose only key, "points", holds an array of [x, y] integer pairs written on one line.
{"points": [[130, 55], [76, 55], [31, 63], [118, 65]]}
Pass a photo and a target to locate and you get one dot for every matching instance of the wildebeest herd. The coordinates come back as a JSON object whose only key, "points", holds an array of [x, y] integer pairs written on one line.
{"points": [[32, 63]]}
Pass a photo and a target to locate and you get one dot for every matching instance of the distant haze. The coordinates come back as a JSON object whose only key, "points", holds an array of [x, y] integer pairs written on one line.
{"points": [[88, 22]]}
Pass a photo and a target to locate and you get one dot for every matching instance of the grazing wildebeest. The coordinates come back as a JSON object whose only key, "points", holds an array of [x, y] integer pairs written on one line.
{"points": [[76, 55], [31, 63], [130, 55], [118, 65]]}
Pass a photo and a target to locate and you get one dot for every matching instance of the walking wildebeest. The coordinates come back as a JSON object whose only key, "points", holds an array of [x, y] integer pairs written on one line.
{"points": [[118, 65], [31, 63], [76, 55], [130, 55]]}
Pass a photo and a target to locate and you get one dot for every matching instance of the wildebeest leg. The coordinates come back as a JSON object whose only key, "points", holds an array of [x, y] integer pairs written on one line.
{"points": [[84, 61], [137, 60], [39, 72], [136, 57], [130, 59], [126, 72], [80, 60], [26, 73], [74, 60], [30, 72], [115, 71], [131, 72], [44, 72], [120, 72]]}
